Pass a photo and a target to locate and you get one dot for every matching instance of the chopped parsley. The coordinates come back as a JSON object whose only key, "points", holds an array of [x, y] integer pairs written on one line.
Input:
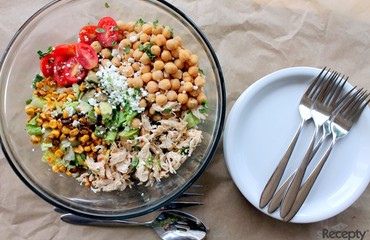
{"points": [[204, 107], [202, 71], [28, 101], [146, 48], [127, 49], [140, 21], [167, 111], [155, 23], [37, 79], [134, 163], [106, 5], [44, 53], [171, 31], [100, 30]]}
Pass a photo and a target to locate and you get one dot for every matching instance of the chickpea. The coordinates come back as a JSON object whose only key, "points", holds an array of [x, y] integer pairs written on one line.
{"points": [[137, 54], [157, 117], [145, 59], [182, 98], [175, 53], [192, 103], [121, 25], [96, 46], [177, 74], [137, 28], [138, 82], [136, 45], [128, 71], [147, 28], [130, 26], [187, 78], [155, 50], [106, 53], [136, 66], [170, 68], [158, 65], [157, 30], [194, 93], [135, 123], [161, 99], [201, 98], [104, 62], [167, 33], [179, 64], [179, 40], [146, 77], [193, 71], [152, 87], [172, 44], [146, 68], [124, 43], [183, 55], [151, 110], [160, 40], [166, 56], [175, 84], [144, 38], [199, 81], [152, 39], [157, 75], [142, 103], [188, 86], [193, 60], [164, 84], [150, 97], [130, 82], [171, 95], [115, 61]]}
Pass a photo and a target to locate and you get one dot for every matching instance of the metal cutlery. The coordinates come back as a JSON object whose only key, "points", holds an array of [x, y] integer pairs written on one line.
{"points": [[340, 126], [305, 106]]}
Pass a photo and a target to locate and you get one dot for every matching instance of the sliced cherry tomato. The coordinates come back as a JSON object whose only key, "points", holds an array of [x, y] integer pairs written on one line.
{"points": [[67, 50], [107, 32], [47, 64], [86, 56], [73, 71], [58, 69], [88, 34]]}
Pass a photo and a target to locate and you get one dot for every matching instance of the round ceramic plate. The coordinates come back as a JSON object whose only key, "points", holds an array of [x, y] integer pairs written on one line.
{"points": [[259, 129]]}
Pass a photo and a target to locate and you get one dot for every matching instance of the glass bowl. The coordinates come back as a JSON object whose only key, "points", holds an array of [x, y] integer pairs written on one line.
{"points": [[59, 22]]}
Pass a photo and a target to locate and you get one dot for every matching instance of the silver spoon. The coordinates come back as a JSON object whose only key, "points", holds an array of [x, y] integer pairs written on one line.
{"points": [[169, 224]]}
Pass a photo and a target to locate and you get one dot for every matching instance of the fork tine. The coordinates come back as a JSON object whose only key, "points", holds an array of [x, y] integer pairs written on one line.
{"points": [[360, 105], [337, 87], [316, 84], [350, 101]]}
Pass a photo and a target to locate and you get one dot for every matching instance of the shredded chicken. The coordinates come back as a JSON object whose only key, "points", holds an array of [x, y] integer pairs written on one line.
{"points": [[154, 155]]}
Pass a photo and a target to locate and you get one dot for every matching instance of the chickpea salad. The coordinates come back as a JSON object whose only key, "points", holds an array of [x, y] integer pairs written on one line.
{"points": [[119, 107]]}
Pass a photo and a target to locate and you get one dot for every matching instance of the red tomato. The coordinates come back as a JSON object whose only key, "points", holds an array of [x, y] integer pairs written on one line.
{"points": [[59, 65], [86, 56], [68, 50], [73, 71], [107, 32], [88, 34], [47, 64]]}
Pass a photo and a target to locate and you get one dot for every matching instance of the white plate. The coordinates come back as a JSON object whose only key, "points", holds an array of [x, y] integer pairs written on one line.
{"points": [[260, 127]]}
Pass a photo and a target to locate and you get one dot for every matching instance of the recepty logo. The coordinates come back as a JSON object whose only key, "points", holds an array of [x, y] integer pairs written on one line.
{"points": [[350, 235]]}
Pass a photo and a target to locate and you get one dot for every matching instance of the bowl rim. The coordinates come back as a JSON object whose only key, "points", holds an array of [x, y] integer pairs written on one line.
{"points": [[136, 211]]}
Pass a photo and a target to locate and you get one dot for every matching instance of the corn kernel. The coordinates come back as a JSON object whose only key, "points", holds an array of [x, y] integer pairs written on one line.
{"points": [[35, 139], [39, 122], [30, 111], [97, 110], [65, 113], [53, 124], [55, 168], [74, 132], [62, 137], [84, 138], [68, 173], [70, 96], [87, 148], [82, 87], [45, 125], [78, 149], [87, 184], [65, 130], [62, 169], [56, 133], [58, 153], [93, 136]]}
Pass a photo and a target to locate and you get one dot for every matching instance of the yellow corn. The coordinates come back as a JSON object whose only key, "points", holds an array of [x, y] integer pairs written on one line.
{"points": [[53, 124], [78, 149], [97, 110], [70, 96], [30, 111], [94, 137], [87, 148], [35, 139], [58, 153], [68, 173], [65, 130], [62, 169], [62, 137], [39, 121], [87, 184], [56, 133], [55, 168], [45, 125], [74, 132], [65, 113]]}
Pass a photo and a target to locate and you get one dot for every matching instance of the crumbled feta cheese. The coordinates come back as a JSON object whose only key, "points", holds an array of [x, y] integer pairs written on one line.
{"points": [[75, 123], [133, 38], [131, 60], [115, 52], [92, 101]]}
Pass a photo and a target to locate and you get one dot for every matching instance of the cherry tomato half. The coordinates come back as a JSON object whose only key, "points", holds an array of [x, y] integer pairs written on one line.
{"points": [[73, 71], [88, 34], [67, 50], [86, 56], [59, 65], [107, 32], [47, 64]]}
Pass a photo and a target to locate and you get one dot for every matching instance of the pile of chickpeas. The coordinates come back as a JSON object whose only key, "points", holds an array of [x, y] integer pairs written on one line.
{"points": [[169, 73]]}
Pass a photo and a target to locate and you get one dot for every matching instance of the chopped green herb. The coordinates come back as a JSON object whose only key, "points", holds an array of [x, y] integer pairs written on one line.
{"points": [[140, 21], [204, 107], [28, 101], [100, 30], [106, 5], [127, 49], [202, 71], [44, 53], [155, 23], [134, 163], [113, 43], [38, 78], [184, 150], [167, 111], [150, 161], [146, 48], [115, 28], [171, 31]]}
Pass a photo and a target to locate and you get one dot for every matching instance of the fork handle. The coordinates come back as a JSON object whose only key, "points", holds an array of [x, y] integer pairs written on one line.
{"points": [[294, 186], [307, 186], [275, 178]]}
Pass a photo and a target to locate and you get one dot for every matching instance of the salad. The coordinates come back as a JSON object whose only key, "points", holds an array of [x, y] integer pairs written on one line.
{"points": [[119, 107]]}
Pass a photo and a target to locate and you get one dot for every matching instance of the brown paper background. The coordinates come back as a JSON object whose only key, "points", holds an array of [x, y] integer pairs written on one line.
{"points": [[251, 39]]}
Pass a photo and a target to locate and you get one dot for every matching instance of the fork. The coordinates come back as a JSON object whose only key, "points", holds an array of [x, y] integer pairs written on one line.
{"points": [[304, 108], [324, 106], [340, 127]]}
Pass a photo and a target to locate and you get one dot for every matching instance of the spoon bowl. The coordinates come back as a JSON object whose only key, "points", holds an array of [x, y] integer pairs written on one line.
{"points": [[168, 224]]}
